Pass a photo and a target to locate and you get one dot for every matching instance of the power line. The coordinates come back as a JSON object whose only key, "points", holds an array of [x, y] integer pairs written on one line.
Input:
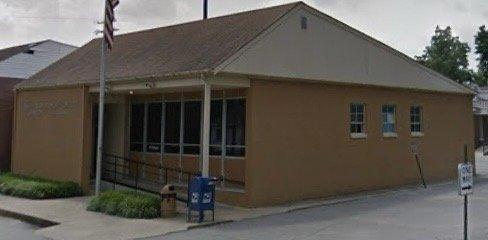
{"points": [[58, 18], [54, 18]]}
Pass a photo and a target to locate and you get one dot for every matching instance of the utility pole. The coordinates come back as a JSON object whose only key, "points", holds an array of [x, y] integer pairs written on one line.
{"points": [[205, 9], [465, 198]]}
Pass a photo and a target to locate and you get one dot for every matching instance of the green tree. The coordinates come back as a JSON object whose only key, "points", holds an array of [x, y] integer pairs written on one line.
{"points": [[447, 55], [481, 48]]}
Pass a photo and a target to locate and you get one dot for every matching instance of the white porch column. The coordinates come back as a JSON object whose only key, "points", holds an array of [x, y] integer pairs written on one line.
{"points": [[206, 128], [481, 131]]}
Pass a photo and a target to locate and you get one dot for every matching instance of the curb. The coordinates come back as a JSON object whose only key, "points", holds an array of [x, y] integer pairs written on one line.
{"points": [[42, 223], [210, 224]]}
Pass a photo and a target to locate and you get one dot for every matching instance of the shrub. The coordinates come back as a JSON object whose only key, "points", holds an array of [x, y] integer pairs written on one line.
{"points": [[128, 204], [37, 188]]}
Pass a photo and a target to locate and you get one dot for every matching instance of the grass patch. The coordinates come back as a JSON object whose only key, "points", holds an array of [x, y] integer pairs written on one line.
{"points": [[128, 204], [37, 188]]}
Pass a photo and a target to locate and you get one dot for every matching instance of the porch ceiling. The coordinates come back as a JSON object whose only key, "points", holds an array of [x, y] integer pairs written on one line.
{"points": [[187, 84]]}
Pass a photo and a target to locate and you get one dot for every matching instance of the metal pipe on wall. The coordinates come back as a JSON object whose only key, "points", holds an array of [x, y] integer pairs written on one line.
{"points": [[224, 138], [163, 122], [144, 139], [182, 132]]}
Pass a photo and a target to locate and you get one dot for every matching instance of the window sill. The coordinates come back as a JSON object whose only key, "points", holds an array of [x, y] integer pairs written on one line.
{"points": [[416, 134], [358, 135], [390, 135]]}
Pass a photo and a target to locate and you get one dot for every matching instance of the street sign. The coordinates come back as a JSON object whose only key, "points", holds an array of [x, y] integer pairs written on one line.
{"points": [[465, 179], [414, 147]]}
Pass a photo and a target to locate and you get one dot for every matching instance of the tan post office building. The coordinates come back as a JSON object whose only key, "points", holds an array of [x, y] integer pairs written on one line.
{"points": [[301, 106]]}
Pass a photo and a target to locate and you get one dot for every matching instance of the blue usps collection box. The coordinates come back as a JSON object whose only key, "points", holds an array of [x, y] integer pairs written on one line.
{"points": [[201, 196]]}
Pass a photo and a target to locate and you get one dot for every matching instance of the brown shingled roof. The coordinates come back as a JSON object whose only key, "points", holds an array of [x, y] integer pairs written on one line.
{"points": [[189, 47]]}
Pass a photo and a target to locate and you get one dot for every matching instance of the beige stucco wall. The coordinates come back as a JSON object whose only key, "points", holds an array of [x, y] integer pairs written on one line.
{"points": [[52, 134], [297, 139], [299, 143]]}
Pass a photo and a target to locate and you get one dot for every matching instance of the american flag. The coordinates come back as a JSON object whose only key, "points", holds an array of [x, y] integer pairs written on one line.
{"points": [[108, 32]]}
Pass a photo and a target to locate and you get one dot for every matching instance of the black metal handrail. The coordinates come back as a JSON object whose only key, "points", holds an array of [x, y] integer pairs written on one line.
{"points": [[126, 172]]}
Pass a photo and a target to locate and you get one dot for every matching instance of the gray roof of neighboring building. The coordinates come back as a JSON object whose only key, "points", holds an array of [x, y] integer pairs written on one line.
{"points": [[26, 60], [11, 51]]}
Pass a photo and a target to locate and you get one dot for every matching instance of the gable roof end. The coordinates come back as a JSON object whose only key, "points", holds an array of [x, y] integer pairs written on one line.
{"points": [[249, 60]]}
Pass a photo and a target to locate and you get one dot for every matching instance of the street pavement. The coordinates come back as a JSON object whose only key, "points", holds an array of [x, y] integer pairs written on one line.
{"points": [[12, 229], [435, 213]]}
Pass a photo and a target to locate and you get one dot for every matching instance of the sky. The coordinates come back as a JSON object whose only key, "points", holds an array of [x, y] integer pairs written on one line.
{"points": [[406, 25]]}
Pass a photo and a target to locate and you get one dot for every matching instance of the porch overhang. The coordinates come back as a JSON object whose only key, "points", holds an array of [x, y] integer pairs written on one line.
{"points": [[175, 84]]}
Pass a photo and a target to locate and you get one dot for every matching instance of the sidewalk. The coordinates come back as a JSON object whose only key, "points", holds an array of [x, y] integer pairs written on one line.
{"points": [[77, 223], [74, 222]]}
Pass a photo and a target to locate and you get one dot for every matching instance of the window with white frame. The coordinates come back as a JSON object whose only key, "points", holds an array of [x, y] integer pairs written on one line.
{"points": [[180, 122], [388, 113], [415, 119], [356, 111], [235, 122]]}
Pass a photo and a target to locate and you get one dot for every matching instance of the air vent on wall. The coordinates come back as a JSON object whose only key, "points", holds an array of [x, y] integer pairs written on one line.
{"points": [[304, 22]]}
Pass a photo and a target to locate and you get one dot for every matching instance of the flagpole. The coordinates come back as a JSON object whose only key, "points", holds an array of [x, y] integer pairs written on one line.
{"points": [[101, 110]]}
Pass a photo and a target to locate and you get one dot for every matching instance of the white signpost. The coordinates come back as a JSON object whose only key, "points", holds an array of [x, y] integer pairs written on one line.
{"points": [[465, 186], [465, 179]]}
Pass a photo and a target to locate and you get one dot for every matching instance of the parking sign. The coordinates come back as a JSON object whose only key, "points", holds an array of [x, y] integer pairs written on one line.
{"points": [[465, 178]]}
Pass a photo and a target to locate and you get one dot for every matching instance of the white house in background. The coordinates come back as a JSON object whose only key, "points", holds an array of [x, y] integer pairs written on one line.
{"points": [[17, 64], [480, 110], [27, 60]]}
